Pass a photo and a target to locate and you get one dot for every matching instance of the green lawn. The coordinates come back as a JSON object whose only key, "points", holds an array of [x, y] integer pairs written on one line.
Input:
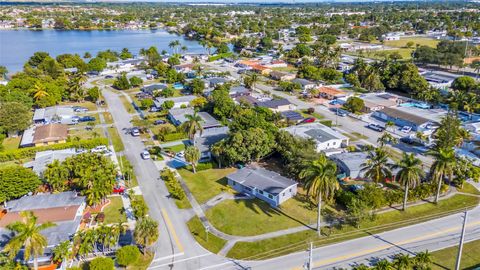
{"points": [[107, 117], [384, 222], [113, 211], [469, 188], [11, 143], [87, 104], [416, 40], [214, 243], [176, 148], [116, 140], [127, 104], [314, 114], [206, 184], [446, 258], [142, 263]]}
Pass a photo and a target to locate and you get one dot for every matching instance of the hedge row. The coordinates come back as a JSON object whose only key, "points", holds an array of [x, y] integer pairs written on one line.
{"points": [[173, 186], [30, 152], [174, 136]]}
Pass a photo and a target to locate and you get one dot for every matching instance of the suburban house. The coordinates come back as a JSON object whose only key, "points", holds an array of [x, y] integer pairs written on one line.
{"points": [[349, 164], [439, 79], [184, 68], [277, 105], [213, 82], [153, 88], [375, 102], [282, 76], [331, 93], [207, 138], [305, 84], [54, 114], [44, 158], [266, 185], [261, 69], [292, 116], [44, 135], [178, 117], [178, 102], [402, 118], [65, 209], [324, 137], [240, 90]]}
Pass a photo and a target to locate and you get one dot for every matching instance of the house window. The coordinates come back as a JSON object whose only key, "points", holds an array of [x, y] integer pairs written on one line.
{"points": [[270, 196], [290, 190], [283, 194], [234, 183], [260, 191]]}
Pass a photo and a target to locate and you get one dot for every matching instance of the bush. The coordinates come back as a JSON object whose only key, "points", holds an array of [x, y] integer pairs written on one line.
{"points": [[29, 152], [127, 255], [173, 186], [140, 208], [101, 263]]}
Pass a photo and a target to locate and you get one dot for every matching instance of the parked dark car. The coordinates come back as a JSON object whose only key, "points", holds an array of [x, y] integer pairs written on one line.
{"points": [[86, 119], [375, 127], [407, 140], [159, 122]]}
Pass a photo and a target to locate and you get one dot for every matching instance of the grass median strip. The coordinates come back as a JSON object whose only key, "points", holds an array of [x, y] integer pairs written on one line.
{"points": [[394, 219], [446, 258], [212, 243]]}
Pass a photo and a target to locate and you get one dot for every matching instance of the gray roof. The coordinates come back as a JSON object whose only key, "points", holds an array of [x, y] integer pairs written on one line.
{"points": [[45, 201], [179, 115], [303, 82], [183, 99], [262, 179], [27, 137], [208, 120], [238, 90], [352, 160], [217, 80], [46, 114], [274, 103], [315, 131], [209, 137], [439, 77], [153, 87], [44, 158]]}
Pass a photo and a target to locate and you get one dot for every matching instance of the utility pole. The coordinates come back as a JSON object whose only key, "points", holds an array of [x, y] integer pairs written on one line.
{"points": [[310, 255], [462, 238]]}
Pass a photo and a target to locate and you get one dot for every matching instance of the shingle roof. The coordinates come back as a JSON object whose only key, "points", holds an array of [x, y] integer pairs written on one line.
{"points": [[50, 133], [160, 101], [209, 137], [303, 82], [352, 160], [262, 179], [44, 158], [395, 113], [153, 87], [274, 103], [45, 201]]}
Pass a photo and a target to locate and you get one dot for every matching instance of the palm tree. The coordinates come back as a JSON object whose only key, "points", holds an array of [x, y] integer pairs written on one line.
{"points": [[39, 91], [442, 166], [192, 125], [217, 151], [409, 175], [387, 138], [184, 49], [28, 236], [476, 67], [192, 155], [422, 260], [174, 44], [377, 167], [402, 261], [146, 232], [383, 265], [320, 181], [62, 252], [251, 80]]}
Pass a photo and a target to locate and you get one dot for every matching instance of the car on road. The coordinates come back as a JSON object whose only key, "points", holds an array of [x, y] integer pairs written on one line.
{"points": [[145, 155], [159, 122], [109, 77], [375, 127], [79, 109], [86, 119], [135, 132]]}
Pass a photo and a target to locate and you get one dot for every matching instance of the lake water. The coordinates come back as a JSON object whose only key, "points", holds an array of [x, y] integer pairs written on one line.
{"points": [[16, 46]]}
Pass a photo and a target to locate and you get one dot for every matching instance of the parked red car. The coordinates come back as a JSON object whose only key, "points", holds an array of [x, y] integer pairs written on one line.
{"points": [[118, 189], [309, 120]]}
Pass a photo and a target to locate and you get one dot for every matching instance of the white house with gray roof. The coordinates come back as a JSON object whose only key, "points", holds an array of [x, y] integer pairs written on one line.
{"points": [[54, 114], [178, 117], [266, 185], [209, 137], [325, 138], [44, 158], [178, 102], [350, 163]]}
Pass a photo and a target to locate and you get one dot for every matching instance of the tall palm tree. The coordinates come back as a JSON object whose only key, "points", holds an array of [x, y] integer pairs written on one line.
{"points": [[402, 261], [409, 175], [146, 232], [442, 166], [422, 260], [217, 151], [28, 236], [192, 155], [320, 181], [192, 125], [184, 49], [62, 252], [383, 265], [377, 167], [387, 138]]}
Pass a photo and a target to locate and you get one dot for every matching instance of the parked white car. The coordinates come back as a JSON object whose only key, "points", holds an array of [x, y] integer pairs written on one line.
{"points": [[145, 155], [406, 129], [99, 149]]}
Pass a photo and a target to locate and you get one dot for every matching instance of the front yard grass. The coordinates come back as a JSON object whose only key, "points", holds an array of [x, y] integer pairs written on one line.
{"points": [[114, 211], [446, 258], [107, 117], [142, 263], [11, 143], [469, 188], [214, 243], [176, 148], [416, 40], [383, 222], [314, 114], [206, 184], [87, 104]]}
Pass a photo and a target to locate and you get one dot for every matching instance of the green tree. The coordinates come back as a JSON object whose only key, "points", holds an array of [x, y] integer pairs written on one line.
{"points": [[135, 81], [409, 174], [56, 176], [122, 82], [320, 180], [475, 65], [402, 261], [16, 181], [251, 80], [3, 72], [14, 117], [464, 83], [197, 86], [93, 93], [62, 252], [422, 260], [168, 104], [192, 125], [127, 255], [101, 263], [354, 104], [96, 64], [146, 232], [383, 265], [27, 234], [192, 155], [443, 165], [125, 54], [377, 166]]}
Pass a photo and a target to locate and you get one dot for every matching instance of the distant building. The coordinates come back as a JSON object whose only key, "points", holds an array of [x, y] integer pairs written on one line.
{"points": [[153, 88], [178, 102], [44, 158], [215, 81], [350, 163], [236, 91], [277, 105], [330, 92], [324, 137], [207, 138], [266, 185], [439, 80], [282, 76], [305, 84], [402, 118], [44, 135]]}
